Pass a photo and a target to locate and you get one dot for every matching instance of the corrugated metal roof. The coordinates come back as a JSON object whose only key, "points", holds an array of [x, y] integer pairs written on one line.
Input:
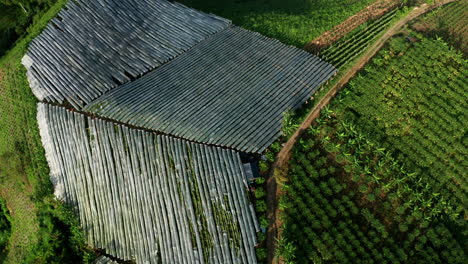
{"points": [[149, 197], [93, 46], [104, 260], [230, 90]]}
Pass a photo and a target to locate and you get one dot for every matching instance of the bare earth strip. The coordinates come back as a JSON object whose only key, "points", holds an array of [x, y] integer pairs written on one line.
{"points": [[282, 158]]}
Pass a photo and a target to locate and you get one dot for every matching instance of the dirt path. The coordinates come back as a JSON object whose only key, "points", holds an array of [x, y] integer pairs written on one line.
{"points": [[282, 158]]}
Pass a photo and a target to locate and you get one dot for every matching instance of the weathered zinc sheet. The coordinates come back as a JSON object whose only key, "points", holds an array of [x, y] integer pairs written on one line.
{"points": [[149, 197], [230, 90], [92, 46], [104, 260]]}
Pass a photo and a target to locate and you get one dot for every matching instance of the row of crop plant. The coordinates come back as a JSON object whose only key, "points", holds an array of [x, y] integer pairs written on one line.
{"points": [[347, 48], [412, 99], [380, 177], [449, 21], [348, 201]]}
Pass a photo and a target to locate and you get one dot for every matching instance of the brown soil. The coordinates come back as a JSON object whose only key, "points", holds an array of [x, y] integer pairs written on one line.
{"points": [[279, 168]]}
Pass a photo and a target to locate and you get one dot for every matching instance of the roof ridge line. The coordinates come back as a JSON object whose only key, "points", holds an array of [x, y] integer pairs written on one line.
{"points": [[116, 122]]}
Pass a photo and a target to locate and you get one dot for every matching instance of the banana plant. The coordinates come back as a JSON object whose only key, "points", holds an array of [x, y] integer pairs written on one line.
{"points": [[380, 151], [313, 130], [341, 136], [376, 178], [387, 187], [367, 170], [327, 112]]}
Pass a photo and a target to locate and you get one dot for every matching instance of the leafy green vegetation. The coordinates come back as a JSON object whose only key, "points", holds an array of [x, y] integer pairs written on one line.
{"points": [[356, 42], [16, 16], [379, 177], [43, 230], [294, 22], [448, 21], [412, 99], [5, 229]]}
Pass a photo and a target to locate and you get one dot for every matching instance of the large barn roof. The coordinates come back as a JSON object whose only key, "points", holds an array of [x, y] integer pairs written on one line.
{"points": [[149, 197], [226, 87], [230, 90]]}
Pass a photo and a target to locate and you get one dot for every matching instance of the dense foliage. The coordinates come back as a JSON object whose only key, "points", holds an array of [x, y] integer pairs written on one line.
{"points": [[412, 98], [294, 22], [16, 16], [379, 178], [449, 22]]}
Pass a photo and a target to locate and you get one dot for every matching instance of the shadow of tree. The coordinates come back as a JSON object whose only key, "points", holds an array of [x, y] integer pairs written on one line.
{"points": [[293, 22]]}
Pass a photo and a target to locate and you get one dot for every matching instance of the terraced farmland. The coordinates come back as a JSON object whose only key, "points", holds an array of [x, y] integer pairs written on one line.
{"points": [[148, 197], [380, 177]]}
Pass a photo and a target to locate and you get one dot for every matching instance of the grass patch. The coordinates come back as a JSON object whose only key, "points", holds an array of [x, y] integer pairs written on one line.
{"points": [[43, 230]]}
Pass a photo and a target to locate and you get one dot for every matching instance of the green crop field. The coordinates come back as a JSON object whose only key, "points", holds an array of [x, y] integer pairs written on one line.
{"points": [[344, 50], [294, 22], [449, 21], [42, 229], [380, 177]]}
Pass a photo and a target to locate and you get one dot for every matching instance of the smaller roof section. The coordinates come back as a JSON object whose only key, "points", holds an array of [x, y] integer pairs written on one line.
{"points": [[230, 90], [93, 46], [251, 171]]}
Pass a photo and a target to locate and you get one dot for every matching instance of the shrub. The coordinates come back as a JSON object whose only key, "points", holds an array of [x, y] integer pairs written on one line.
{"points": [[270, 156], [260, 180], [5, 225], [275, 147], [403, 227], [261, 254], [261, 237], [323, 172], [263, 221], [260, 193], [261, 206], [263, 166], [363, 188]]}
